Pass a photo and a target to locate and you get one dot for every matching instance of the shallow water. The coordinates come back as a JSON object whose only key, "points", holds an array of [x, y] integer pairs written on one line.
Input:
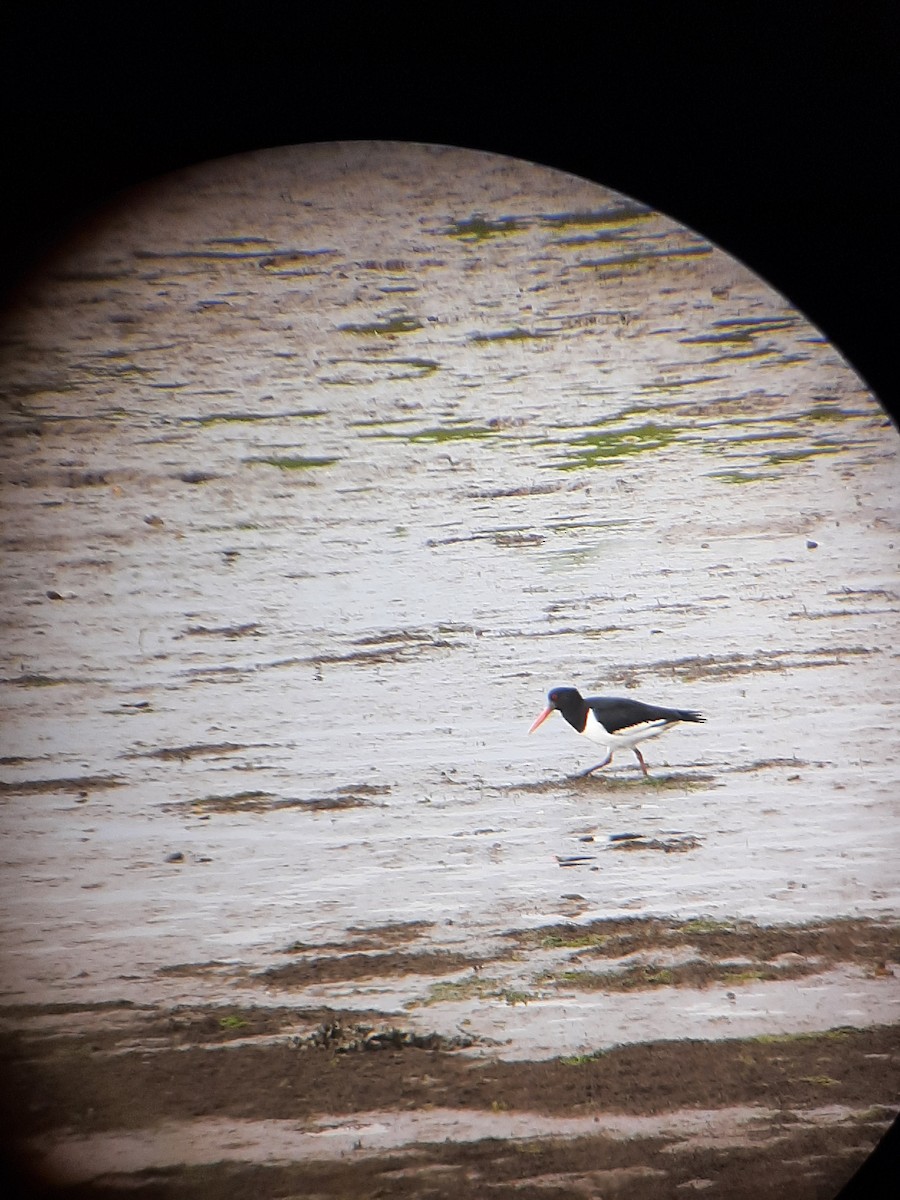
{"points": [[273, 1141]]}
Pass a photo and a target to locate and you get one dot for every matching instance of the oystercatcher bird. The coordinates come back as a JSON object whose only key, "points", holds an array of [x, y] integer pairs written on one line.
{"points": [[615, 722]]}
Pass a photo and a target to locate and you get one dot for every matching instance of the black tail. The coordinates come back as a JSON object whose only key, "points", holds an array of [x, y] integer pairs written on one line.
{"points": [[685, 715]]}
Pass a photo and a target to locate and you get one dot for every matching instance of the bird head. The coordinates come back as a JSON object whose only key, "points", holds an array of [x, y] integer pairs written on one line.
{"points": [[556, 698]]}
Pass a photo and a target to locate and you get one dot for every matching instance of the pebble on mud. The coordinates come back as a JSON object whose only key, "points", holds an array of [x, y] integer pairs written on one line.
{"points": [[811, 545], [196, 477], [175, 856]]}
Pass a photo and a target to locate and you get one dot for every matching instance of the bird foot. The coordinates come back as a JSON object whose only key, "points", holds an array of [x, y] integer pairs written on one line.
{"points": [[591, 770]]}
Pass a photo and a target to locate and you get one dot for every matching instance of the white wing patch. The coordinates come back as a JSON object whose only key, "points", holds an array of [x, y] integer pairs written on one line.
{"points": [[623, 737]]}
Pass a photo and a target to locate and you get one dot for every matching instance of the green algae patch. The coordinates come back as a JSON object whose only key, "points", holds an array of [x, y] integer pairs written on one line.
{"points": [[294, 462], [478, 228], [381, 422], [81, 783], [605, 448], [838, 1033], [437, 433], [421, 366], [342, 968], [740, 332], [620, 214], [828, 412], [714, 953], [241, 418], [444, 433], [473, 987], [642, 260], [698, 973], [672, 385], [682, 781], [737, 477], [783, 457], [507, 335], [294, 262], [267, 802], [38, 680], [393, 325]]}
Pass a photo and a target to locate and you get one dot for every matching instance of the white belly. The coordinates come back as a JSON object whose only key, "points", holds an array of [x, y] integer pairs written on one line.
{"points": [[625, 737]]}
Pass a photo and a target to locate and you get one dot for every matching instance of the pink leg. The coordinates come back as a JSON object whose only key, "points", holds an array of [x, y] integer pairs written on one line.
{"points": [[640, 758], [596, 767]]}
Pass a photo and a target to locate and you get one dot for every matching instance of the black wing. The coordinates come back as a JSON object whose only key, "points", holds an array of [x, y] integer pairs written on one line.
{"points": [[620, 712]]}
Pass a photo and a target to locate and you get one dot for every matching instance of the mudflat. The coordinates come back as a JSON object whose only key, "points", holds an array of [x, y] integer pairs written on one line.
{"points": [[320, 467]]}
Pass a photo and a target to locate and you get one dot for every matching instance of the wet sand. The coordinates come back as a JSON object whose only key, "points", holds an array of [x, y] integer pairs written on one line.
{"points": [[320, 467]]}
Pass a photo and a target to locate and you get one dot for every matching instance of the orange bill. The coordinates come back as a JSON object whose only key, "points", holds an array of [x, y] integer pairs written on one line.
{"points": [[542, 718]]}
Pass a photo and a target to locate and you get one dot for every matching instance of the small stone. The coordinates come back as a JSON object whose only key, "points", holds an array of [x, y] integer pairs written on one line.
{"points": [[175, 856], [810, 545], [196, 477], [51, 595]]}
